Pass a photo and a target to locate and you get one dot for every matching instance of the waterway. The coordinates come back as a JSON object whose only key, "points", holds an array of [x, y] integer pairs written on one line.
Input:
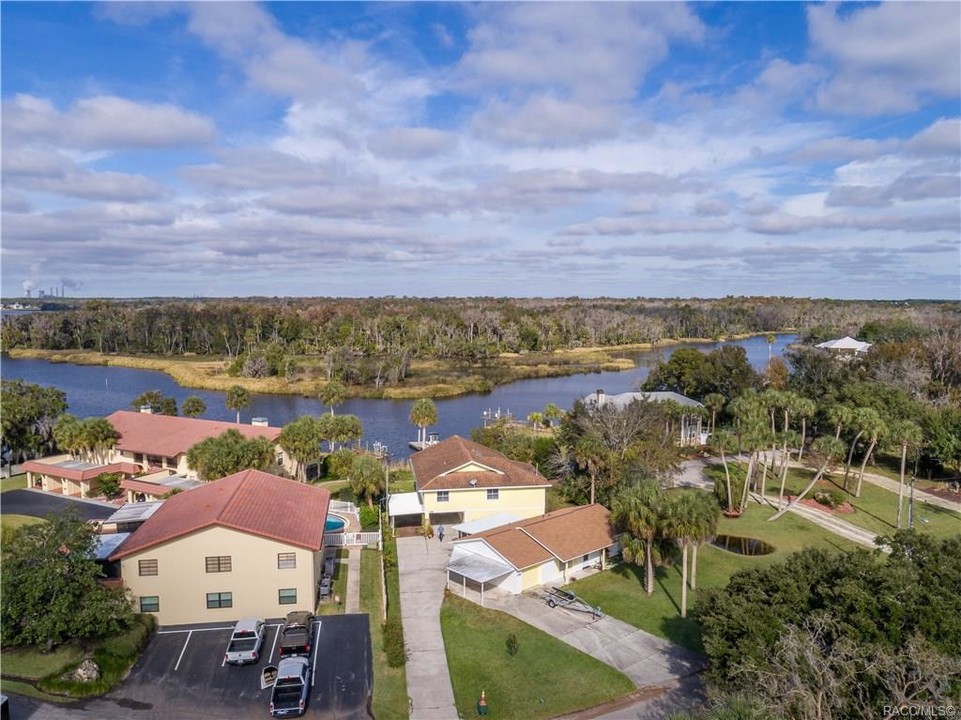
{"points": [[96, 390]]}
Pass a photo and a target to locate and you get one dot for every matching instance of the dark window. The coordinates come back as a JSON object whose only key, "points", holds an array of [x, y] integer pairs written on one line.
{"points": [[155, 460], [148, 567], [493, 494], [218, 563], [287, 596], [150, 603], [443, 496], [220, 600], [286, 561], [138, 457]]}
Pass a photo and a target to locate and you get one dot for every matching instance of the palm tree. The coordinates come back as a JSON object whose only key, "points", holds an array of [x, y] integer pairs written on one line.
{"points": [[840, 416], [679, 522], [591, 455], [237, 399], [344, 428], [906, 434], [68, 434], [535, 418], [367, 478], [874, 430], [804, 408], [636, 511], [301, 439], [830, 451], [193, 407], [723, 441], [332, 393], [423, 413], [552, 413], [707, 516], [863, 419], [715, 403]]}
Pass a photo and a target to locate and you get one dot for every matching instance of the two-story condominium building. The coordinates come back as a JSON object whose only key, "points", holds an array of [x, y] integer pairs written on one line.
{"points": [[250, 544], [459, 481]]}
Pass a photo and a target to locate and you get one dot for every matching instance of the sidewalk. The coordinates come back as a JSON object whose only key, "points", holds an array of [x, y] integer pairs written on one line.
{"points": [[422, 564], [352, 601]]}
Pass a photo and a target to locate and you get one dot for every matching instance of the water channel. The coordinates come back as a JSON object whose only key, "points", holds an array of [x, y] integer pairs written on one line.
{"points": [[95, 390]]}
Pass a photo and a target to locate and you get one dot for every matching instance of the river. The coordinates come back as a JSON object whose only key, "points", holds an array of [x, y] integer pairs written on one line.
{"points": [[96, 390]]}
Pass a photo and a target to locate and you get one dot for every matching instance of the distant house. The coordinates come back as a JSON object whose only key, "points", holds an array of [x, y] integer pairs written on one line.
{"points": [[690, 423], [846, 347], [250, 544], [458, 481], [545, 549], [66, 475], [156, 442]]}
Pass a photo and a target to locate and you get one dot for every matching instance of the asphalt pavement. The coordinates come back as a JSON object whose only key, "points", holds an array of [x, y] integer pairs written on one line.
{"points": [[36, 503]]}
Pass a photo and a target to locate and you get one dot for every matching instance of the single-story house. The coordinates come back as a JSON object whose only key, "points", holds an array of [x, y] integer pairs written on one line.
{"points": [[846, 346], [458, 481], [156, 442], [690, 423], [66, 475], [536, 551], [156, 486], [250, 544]]}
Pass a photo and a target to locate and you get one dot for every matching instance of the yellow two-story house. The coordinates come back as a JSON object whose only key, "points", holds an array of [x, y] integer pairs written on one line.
{"points": [[248, 545], [458, 481]]}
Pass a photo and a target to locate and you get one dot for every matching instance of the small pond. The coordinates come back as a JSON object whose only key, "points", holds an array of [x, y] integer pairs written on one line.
{"points": [[742, 545]]}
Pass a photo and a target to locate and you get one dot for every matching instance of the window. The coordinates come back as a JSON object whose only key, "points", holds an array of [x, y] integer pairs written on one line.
{"points": [[138, 457], [147, 567], [218, 563], [493, 494], [220, 600], [443, 496], [280, 458], [286, 561], [155, 460], [170, 462], [150, 603], [287, 596]]}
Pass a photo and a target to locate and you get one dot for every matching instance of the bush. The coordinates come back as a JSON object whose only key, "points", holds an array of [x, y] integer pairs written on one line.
{"points": [[830, 498], [337, 464], [369, 517], [511, 644], [394, 647]]}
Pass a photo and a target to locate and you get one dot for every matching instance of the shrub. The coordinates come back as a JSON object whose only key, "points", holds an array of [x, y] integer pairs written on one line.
{"points": [[369, 517], [394, 647], [511, 644], [337, 464], [830, 498]]}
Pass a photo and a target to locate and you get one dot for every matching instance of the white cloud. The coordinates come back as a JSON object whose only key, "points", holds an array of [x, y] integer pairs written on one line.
{"points": [[412, 143], [545, 120]]}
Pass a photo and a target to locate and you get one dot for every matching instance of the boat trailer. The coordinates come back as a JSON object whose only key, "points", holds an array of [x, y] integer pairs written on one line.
{"points": [[562, 598]]}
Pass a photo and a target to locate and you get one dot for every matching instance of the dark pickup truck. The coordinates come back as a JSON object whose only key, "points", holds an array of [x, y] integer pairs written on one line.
{"points": [[289, 695], [296, 637]]}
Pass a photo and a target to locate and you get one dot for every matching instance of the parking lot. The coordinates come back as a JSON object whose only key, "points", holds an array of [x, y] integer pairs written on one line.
{"points": [[182, 674], [185, 666]]}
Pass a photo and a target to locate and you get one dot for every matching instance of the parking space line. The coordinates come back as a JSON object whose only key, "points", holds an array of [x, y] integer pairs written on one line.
{"points": [[274, 645], [193, 630], [177, 666], [313, 663]]}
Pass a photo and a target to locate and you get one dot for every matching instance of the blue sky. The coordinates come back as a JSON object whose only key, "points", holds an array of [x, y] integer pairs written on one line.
{"points": [[507, 149]]}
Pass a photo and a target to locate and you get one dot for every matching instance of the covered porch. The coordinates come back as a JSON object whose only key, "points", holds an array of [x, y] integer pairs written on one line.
{"points": [[475, 573]]}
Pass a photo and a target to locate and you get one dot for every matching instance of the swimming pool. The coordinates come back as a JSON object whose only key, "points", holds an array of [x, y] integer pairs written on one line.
{"points": [[334, 523]]}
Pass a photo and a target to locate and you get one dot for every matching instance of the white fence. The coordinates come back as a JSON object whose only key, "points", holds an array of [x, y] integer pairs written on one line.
{"points": [[343, 507], [345, 539]]}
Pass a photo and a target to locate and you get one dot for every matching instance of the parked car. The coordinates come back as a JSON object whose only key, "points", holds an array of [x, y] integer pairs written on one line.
{"points": [[288, 698], [245, 642], [296, 637]]}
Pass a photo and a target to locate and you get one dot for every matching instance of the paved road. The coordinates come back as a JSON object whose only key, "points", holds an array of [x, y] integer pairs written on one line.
{"points": [[37, 503]]}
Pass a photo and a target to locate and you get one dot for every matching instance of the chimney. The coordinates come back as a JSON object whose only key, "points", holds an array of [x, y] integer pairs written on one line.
{"points": [[601, 397], [259, 422], [146, 409]]}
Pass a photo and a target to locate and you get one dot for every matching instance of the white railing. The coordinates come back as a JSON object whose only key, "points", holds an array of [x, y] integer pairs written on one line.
{"points": [[345, 539], [344, 507]]}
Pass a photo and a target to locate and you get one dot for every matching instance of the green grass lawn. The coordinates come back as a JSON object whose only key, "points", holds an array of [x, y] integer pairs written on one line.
{"points": [[544, 679], [17, 482], [31, 664], [15, 522], [389, 701], [877, 508], [620, 591], [338, 588]]}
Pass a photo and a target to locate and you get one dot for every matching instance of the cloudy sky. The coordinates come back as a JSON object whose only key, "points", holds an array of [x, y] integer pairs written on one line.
{"points": [[453, 149]]}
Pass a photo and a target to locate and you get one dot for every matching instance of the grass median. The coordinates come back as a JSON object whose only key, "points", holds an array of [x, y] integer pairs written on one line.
{"points": [[544, 678], [389, 701]]}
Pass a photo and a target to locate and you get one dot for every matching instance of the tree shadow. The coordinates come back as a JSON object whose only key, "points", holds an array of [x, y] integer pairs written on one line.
{"points": [[660, 575]]}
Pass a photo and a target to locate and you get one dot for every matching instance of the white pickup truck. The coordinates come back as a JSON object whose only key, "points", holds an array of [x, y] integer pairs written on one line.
{"points": [[245, 642]]}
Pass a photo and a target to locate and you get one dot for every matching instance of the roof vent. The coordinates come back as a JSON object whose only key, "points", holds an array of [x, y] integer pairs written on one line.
{"points": [[146, 409], [472, 482], [259, 421]]}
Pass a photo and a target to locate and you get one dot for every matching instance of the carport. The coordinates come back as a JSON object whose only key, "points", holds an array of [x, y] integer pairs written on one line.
{"points": [[476, 568], [404, 504]]}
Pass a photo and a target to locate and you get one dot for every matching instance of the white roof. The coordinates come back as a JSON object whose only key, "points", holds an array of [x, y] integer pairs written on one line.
{"points": [[405, 504], [845, 343], [485, 523], [476, 567], [106, 544], [622, 400], [134, 512]]}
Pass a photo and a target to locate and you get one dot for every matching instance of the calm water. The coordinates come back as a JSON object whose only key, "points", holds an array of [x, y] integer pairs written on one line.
{"points": [[98, 391]]}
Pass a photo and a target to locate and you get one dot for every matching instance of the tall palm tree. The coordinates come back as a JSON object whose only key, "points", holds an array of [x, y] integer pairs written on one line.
{"points": [[830, 450], [423, 413], [708, 513], [714, 402], [906, 434], [367, 478], [535, 418], [804, 408], [591, 455], [724, 442], [875, 430], [193, 407], [332, 393], [840, 416], [552, 412], [636, 511], [301, 439], [237, 399], [679, 522], [863, 419]]}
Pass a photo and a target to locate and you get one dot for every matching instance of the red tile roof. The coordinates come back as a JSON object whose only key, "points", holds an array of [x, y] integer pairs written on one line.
{"points": [[565, 534], [169, 436], [251, 501], [438, 467]]}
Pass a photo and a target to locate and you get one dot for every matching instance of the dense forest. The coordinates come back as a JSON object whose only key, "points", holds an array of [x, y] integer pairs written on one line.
{"points": [[373, 340]]}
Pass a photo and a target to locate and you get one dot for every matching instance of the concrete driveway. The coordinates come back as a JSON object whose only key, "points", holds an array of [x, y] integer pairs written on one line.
{"points": [[646, 659]]}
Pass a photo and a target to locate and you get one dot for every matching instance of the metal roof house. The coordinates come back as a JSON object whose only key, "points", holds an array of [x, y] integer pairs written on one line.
{"points": [[690, 424]]}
